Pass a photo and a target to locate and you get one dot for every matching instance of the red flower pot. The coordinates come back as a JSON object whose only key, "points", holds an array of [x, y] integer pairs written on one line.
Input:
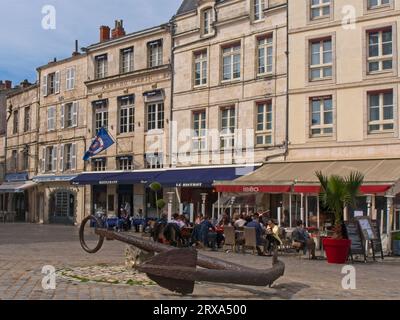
{"points": [[337, 250]]}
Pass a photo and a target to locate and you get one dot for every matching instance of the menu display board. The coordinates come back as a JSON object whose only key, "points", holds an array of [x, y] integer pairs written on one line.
{"points": [[357, 244], [366, 229]]}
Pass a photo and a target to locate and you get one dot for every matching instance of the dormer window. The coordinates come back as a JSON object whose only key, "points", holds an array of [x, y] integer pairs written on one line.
{"points": [[207, 21]]}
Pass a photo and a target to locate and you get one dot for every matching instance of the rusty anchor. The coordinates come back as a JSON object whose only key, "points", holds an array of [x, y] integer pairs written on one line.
{"points": [[176, 269]]}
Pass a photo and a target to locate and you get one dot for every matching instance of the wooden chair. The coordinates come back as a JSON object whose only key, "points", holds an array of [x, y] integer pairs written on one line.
{"points": [[230, 237], [250, 240]]}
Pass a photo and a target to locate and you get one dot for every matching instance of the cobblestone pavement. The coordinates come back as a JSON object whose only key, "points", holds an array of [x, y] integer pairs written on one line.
{"points": [[25, 249]]}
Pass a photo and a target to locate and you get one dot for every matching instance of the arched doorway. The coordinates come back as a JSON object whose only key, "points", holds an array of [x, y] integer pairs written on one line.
{"points": [[62, 207]]}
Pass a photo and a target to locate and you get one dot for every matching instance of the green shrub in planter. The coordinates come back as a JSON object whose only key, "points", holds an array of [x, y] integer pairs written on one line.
{"points": [[396, 244]]}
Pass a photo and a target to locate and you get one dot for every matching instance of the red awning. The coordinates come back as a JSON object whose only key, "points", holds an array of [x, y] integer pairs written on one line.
{"points": [[253, 189], [306, 189], [375, 189], [366, 189]]}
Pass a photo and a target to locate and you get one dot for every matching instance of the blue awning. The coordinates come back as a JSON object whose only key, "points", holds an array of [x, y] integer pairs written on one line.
{"points": [[185, 178], [54, 178], [96, 178], [200, 177], [15, 177], [101, 178]]}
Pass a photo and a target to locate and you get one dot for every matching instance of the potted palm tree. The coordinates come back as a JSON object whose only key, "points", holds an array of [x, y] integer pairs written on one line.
{"points": [[338, 193]]}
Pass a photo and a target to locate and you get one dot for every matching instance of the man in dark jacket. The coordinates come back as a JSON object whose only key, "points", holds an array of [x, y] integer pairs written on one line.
{"points": [[260, 241], [302, 240]]}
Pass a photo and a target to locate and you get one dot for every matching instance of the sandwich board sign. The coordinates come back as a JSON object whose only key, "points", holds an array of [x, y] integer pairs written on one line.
{"points": [[357, 243], [370, 232]]}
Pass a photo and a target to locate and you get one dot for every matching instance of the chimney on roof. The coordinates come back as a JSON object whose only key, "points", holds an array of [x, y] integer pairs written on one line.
{"points": [[119, 30], [25, 84], [104, 33], [76, 52], [6, 85]]}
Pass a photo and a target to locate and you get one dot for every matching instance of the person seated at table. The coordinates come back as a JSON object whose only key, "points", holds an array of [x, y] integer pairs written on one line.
{"points": [[272, 233], [184, 221], [208, 233], [302, 240], [177, 220], [240, 223], [260, 241], [123, 220]]}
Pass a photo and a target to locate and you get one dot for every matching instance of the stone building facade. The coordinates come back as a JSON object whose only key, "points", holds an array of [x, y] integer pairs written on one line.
{"points": [[229, 86], [18, 192], [129, 93], [61, 139]]}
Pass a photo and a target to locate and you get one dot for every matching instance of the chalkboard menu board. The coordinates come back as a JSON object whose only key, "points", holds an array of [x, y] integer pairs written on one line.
{"points": [[366, 228], [377, 243], [357, 244]]}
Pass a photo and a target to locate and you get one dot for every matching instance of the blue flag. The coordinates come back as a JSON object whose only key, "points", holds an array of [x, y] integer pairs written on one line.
{"points": [[99, 144]]}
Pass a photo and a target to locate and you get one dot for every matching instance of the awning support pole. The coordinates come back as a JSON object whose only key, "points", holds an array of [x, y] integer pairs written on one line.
{"points": [[318, 214], [302, 208], [306, 213], [389, 208], [279, 216], [290, 210], [219, 205]]}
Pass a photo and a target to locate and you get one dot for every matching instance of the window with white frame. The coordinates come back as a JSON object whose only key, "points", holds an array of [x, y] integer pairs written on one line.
{"points": [[265, 54], [126, 114], [320, 9], [375, 4], [199, 131], [15, 121], [14, 160], [100, 115], [27, 119], [69, 115], [50, 159], [99, 164], [67, 158], [125, 163], [154, 160], [321, 116], [228, 126], [264, 123], [51, 84], [321, 59], [207, 21], [155, 53], [258, 8], [231, 62], [200, 68], [51, 118], [25, 160], [127, 60], [101, 66], [380, 50], [380, 111], [70, 78], [155, 116]]}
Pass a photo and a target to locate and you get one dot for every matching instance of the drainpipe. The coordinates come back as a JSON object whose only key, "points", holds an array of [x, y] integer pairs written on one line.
{"points": [[172, 66], [285, 144], [287, 83]]}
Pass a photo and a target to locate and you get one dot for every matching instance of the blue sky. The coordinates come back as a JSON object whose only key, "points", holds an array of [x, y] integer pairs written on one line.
{"points": [[25, 45]]}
